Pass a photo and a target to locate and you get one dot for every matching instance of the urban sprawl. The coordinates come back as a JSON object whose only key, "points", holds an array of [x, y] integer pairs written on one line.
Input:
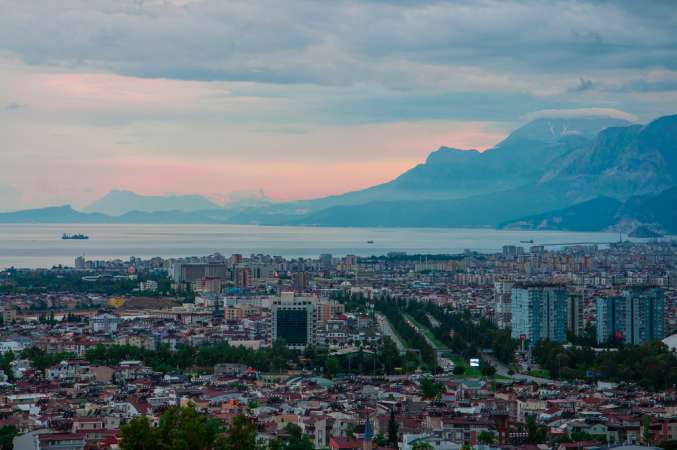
{"points": [[532, 347]]}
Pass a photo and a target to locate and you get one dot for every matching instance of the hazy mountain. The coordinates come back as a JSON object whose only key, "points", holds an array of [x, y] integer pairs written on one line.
{"points": [[622, 162], [604, 213], [544, 166], [524, 157], [66, 214], [53, 214], [117, 202], [579, 174]]}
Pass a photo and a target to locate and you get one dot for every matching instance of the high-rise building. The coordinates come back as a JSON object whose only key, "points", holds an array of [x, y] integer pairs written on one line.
{"points": [[300, 281], [637, 316], [294, 319], [575, 312], [242, 277], [503, 301], [644, 315], [189, 272], [512, 251], [610, 317], [80, 263], [326, 262], [539, 312]]}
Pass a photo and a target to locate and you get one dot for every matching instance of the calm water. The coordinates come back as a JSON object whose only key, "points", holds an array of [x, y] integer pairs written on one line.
{"points": [[42, 246]]}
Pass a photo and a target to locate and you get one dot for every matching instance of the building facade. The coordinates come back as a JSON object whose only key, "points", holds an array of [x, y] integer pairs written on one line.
{"points": [[636, 316], [539, 312], [294, 319]]}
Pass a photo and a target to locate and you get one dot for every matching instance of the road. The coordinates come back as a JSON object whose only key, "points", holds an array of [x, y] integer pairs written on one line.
{"points": [[387, 330], [502, 369], [421, 332], [434, 322]]}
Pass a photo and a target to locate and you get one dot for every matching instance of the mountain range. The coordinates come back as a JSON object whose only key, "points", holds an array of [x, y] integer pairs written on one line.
{"points": [[584, 173]]}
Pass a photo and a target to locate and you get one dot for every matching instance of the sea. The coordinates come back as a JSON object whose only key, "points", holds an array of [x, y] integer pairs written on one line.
{"points": [[41, 246]]}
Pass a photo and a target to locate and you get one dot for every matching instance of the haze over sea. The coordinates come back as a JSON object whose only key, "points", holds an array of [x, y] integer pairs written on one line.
{"points": [[34, 246]]}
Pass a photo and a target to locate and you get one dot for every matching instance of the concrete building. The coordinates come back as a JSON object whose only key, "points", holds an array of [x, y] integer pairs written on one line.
{"points": [[575, 312], [326, 261], [512, 251], [610, 318], [7, 314], [80, 263], [503, 301], [539, 312], [294, 319], [190, 272], [637, 316], [104, 323], [300, 281], [644, 315]]}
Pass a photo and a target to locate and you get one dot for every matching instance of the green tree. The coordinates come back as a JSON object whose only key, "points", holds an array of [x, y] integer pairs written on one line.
{"points": [[180, 429], [241, 436], [393, 429], [669, 445], [332, 366], [390, 355], [535, 434], [380, 440], [6, 364], [7, 435], [294, 440], [487, 369], [186, 429], [486, 437], [279, 354], [138, 434], [430, 389], [421, 445]]}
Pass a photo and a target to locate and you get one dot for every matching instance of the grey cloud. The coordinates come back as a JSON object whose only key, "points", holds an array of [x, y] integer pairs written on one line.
{"points": [[584, 85], [335, 43], [13, 106], [647, 86]]}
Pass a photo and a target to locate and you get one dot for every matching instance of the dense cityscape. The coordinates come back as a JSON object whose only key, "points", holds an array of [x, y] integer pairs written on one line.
{"points": [[533, 347], [338, 225]]}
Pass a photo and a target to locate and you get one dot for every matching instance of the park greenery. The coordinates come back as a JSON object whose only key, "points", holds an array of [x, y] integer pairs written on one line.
{"points": [[460, 333], [276, 358], [42, 281], [7, 435], [651, 365], [186, 428]]}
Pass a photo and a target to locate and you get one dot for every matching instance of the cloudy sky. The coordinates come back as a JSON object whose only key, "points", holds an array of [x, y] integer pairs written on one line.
{"points": [[300, 98]]}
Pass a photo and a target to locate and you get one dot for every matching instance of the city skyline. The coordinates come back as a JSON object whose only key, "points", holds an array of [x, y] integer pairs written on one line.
{"points": [[299, 99]]}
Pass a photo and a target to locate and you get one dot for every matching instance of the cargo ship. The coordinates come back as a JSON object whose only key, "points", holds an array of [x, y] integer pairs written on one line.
{"points": [[77, 236]]}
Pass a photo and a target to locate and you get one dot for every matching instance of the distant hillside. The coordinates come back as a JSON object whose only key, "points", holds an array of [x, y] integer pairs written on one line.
{"points": [[66, 214], [603, 213], [52, 214], [586, 173], [117, 203]]}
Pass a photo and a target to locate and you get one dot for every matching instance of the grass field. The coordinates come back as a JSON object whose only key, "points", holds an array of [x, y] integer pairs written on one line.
{"points": [[437, 345], [539, 373]]}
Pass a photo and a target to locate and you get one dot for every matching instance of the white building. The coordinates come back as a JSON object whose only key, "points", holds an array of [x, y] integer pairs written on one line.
{"points": [[104, 323]]}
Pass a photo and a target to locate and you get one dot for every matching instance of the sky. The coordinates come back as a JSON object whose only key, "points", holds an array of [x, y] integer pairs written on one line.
{"points": [[301, 98]]}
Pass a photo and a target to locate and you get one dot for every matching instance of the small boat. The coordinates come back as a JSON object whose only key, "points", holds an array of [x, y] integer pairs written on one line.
{"points": [[530, 241], [77, 236], [370, 242]]}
